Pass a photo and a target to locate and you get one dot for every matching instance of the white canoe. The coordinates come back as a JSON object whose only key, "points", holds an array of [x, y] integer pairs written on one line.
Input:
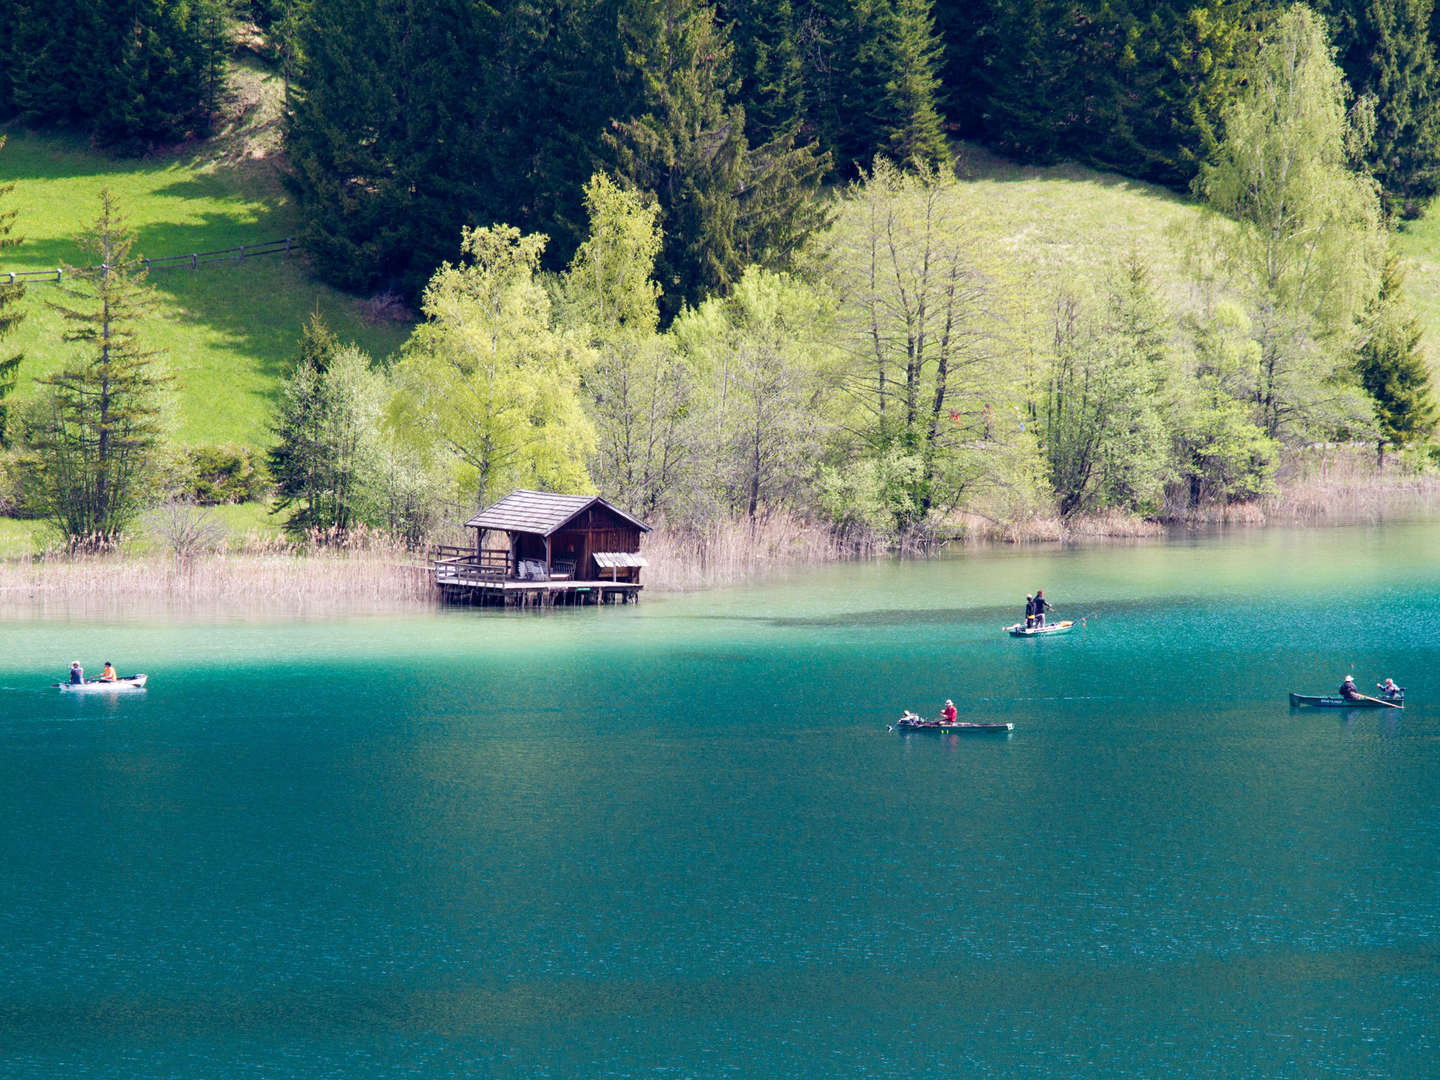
{"points": [[131, 682], [1021, 630]]}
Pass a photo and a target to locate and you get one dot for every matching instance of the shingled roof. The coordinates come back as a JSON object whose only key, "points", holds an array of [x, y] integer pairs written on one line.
{"points": [[541, 512]]}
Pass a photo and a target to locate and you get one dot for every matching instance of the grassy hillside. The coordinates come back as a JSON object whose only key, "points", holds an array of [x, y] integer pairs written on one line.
{"points": [[229, 329]]}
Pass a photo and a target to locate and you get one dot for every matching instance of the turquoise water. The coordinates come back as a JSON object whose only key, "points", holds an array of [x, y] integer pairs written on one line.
{"points": [[676, 840]]}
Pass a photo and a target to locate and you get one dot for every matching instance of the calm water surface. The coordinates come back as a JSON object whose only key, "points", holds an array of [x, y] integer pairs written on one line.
{"points": [[676, 839]]}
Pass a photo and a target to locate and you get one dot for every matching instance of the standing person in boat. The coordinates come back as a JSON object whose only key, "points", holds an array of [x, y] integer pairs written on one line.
{"points": [[108, 673], [1041, 606], [1029, 611], [1348, 689], [77, 673], [948, 713]]}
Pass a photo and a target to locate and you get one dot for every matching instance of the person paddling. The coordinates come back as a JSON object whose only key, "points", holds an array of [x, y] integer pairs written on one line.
{"points": [[948, 713], [108, 673], [1349, 691]]}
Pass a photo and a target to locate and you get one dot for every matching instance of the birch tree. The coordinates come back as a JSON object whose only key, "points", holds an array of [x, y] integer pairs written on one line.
{"points": [[488, 381], [637, 384], [916, 313], [1304, 242]]}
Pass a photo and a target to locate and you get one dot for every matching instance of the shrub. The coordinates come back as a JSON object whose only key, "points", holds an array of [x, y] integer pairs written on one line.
{"points": [[212, 475]]}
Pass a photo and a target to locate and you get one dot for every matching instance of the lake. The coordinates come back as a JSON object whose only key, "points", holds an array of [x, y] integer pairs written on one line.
{"points": [[675, 839]]}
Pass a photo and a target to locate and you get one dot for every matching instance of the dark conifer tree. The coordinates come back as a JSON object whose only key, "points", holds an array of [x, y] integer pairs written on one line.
{"points": [[384, 137], [92, 437], [1031, 87], [1177, 64], [970, 32], [767, 62], [1387, 53], [1392, 365], [40, 47], [686, 146], [899, 56], [547, 111], [133, 73]]}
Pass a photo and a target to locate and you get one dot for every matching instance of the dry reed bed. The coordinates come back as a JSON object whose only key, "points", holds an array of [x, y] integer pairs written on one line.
{"points": [[685, 559], [1344, 487], [260, 582]]}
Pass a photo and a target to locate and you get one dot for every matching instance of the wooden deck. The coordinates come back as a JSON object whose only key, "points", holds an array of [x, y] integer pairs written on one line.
{"points": [[463, 577]]}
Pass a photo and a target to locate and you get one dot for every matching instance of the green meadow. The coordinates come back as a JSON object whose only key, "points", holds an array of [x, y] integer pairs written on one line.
{"points": [[228, 330]]}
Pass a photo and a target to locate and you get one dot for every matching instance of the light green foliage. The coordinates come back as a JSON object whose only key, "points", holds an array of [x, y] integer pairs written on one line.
{"points": [[92, 438], [767, 377], [610, 284], [330, 449], [1221, 455], [1306, 244], [1103, 422], [918, 316], [487, 379], [637, 385]]}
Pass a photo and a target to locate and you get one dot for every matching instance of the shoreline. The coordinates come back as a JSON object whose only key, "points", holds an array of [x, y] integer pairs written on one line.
{"points": [[367, 581], [262, 576]]}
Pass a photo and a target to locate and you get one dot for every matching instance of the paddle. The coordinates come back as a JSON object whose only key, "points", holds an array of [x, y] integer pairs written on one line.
{"points": [[1382, 701], [1376, 700]]}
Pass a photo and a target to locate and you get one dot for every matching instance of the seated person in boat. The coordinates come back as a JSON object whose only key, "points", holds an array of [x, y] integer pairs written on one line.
{"points": [[108, 673], [948, 714], [1029, 611], [1041, 606], [1348, 689], [1389, 691], [77, 674]]}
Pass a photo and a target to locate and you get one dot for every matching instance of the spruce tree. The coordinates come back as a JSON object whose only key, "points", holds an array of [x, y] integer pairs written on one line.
{"points": [[93, 435], [545, 112], [1387, 54], [901, 53], [41, 45], [768, 63], [1392, 365], [11, 293], [687, 147], [384, 137]]}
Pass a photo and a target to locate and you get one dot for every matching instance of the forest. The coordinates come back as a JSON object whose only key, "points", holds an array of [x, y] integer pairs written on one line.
{"points": [[714, 261]]}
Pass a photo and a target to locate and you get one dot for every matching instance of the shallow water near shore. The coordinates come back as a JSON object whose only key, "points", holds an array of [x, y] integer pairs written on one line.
{"points": [[676, 838]]}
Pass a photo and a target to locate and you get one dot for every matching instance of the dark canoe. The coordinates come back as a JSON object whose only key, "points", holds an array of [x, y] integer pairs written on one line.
{"points": [[1020, 630], [1335, 701], [960, 727]]}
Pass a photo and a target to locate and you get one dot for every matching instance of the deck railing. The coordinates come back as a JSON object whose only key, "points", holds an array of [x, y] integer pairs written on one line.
{"points": [[466, 566]]}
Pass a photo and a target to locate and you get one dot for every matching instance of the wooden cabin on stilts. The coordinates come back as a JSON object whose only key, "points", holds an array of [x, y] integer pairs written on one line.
{"points": [[539, 548]]}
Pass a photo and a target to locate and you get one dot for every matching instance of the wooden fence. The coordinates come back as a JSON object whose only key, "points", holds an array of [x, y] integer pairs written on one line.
{"points": [[193, 261]]}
